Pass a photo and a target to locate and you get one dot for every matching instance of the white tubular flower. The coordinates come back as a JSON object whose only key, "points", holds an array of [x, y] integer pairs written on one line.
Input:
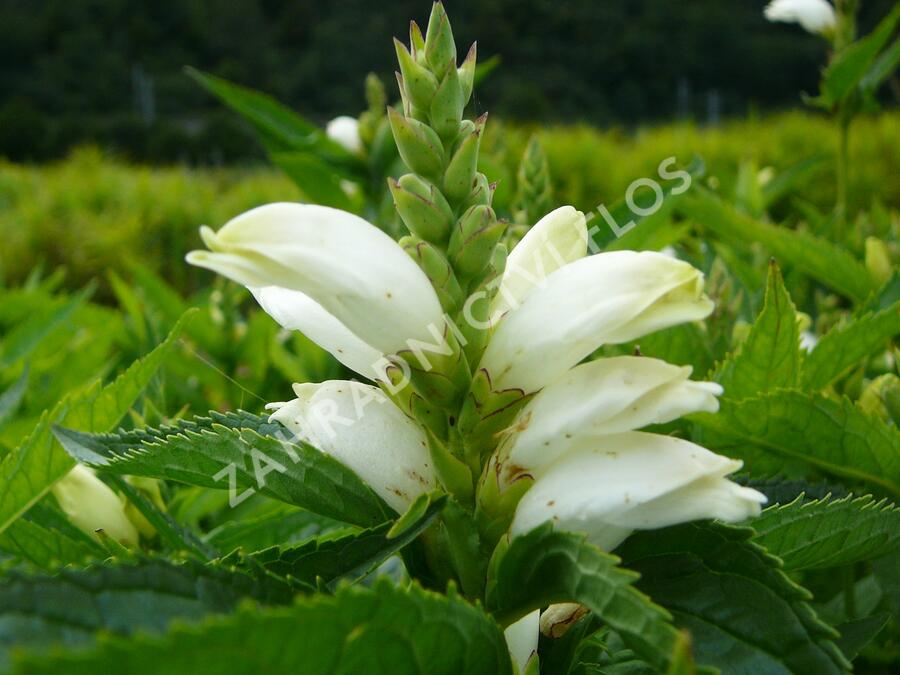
{"points": [[522, 639], [610, 486], [345, 130], [816, 16], [557, 239], [357, 425], [607, 298], [600, 398], [91, 505], [295, 311], [353, 270]]}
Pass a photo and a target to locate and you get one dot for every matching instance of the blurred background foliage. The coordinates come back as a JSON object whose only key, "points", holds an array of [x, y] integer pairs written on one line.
{"points": [[110, 71]]}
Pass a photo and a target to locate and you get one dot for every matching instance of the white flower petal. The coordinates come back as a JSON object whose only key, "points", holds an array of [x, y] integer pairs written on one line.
{"points": [[557, 239], [602, 299], [357, 425], [355, 271], [816, 16], [296, 311], [611, 486], [345, 130], [91, 505], [603, 397], [522, 638]]}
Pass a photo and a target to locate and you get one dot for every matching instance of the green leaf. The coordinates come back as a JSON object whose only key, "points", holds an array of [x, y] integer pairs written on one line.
{"points": [[69, 607], [744, 613], [785, 181], [826, 262], [846, 345], [171, 533], [828, 533], [284, 526], [857, 633], [29, 471], [850, 66], [381, 631], [242, 453], [43, 547], [793, 432], [770, 356], [280, 128], [545, 567], [316, 179], [25, 338], [354, 555], [12, 397]]}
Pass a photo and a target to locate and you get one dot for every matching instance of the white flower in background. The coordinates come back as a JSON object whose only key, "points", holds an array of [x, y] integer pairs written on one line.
{"points": [[816, 16], [345, 130], [91, 505], [357, 425]]}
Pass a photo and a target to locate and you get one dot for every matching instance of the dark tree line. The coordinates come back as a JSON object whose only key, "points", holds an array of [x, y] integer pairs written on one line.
{"points": [[110, 70]]}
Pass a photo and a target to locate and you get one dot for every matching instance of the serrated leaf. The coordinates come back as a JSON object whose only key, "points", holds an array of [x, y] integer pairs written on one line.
{"points": [[353, 555], [242, 453], [29, 471], [846, 345], [69, 607], [381, 631], [43, 547], [857, 633], [769, 358], [826, 262], [793, 432], [744, 614], [544, 567], [828, 533], [284, 526]]}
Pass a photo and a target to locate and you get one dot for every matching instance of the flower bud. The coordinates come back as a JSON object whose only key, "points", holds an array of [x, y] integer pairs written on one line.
{"points": [[438, 271], [440, 49], [474, 238], [345, 130], [459, 178], [419, 85], [418, 144], [447, 106], [482, 191], [91, 505], [417, 42], [422, 207], [467, 73]]}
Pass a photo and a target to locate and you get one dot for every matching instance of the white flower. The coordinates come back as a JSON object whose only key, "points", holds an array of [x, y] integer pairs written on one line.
{"points": [[345, 130], [606, 298], [610, 486], [357, 425], [601, 398], [558, 238], [522, 639], [91, 505], [354, 287], [816, 16]]}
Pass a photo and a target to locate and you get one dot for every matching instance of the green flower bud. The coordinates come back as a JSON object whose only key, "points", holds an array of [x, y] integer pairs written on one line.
{"points": [[437, 269], [440, 49], [467, 73], [474, 238], [534, 196], [476, 319], [447, 106], [422, 207], [418, 84], [482, 191], [439, 371], [419, 146], [460, 174], [417, 42]]}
